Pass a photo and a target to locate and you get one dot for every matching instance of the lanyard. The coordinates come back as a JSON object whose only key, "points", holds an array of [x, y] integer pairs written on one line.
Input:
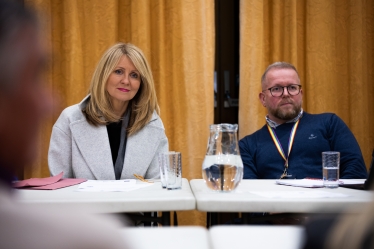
{"points": [[279, 146]]}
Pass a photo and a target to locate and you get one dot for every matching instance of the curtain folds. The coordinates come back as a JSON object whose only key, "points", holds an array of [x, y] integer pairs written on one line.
{"points": [[331, 43], [177, 38]]}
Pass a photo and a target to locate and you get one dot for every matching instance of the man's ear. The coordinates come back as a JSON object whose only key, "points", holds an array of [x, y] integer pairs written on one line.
{"points": [[261, 97]]}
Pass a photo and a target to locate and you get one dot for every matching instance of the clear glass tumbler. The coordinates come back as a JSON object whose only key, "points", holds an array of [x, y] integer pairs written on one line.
{"points": [[330, 168]]}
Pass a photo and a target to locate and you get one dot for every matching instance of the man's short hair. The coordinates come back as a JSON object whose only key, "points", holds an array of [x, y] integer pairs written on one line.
{"points": [[278, 65]]}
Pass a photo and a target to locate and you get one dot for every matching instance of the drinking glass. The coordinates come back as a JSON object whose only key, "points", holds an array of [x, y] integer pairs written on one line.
{"points": [[161, 161], [172, 162], [330, 167]]}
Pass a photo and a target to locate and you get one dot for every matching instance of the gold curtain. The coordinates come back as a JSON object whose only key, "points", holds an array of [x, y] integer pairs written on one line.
{"points": [[177, 38], [331, 43]]}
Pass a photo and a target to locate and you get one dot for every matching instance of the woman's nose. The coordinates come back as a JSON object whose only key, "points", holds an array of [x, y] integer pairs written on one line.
{"points": [[125, 79]]}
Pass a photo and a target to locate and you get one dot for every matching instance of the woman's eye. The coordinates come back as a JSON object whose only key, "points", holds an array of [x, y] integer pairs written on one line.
{"points": [[134, 75], [118, 71]]}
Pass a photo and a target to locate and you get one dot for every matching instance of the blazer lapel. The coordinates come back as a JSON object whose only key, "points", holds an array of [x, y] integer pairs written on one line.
{"points": [[93, 144], [140, 150]]}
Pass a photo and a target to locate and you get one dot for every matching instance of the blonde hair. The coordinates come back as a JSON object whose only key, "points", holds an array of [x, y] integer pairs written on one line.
{"points": [[99, 109]]}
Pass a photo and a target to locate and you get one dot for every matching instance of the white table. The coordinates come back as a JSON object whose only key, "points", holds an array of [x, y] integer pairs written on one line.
{"points": [[217, 237], [242, 200], [262, 237], [167, 238], [148, 199], [245, 201]]}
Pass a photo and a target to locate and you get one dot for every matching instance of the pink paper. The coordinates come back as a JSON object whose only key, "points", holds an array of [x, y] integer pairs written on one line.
{"points": [[36, 182], [65, 182]]}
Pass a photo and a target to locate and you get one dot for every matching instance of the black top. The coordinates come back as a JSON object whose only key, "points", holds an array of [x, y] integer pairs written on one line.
{"points": [[114, 134]]}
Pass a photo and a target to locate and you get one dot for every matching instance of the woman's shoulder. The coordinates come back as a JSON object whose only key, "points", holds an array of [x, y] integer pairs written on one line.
{"points": [[156, 121], [72, 113]]}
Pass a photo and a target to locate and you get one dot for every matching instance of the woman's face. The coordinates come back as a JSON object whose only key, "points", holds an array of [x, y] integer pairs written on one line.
{"points": [[123, 84]]}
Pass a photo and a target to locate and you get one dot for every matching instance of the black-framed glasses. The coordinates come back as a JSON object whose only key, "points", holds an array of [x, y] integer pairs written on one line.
{"points": [[277, 91]]}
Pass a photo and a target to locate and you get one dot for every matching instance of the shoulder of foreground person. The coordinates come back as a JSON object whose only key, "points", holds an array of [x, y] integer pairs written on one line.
{"points": [[25, 226]]}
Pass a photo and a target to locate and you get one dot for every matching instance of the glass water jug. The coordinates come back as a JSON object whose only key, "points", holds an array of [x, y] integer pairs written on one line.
{"points": [[223, 166]]}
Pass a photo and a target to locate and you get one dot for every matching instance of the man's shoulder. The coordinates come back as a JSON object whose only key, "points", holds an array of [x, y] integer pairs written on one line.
{"points": [[329, 122], [255, 134], [326, 117]]}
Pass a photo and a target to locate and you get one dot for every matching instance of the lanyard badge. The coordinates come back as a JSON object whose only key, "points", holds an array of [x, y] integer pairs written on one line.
{"points": [[279, 146]]}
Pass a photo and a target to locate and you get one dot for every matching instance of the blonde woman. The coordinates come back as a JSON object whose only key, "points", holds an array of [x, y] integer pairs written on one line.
{"points": [[115, 132]]}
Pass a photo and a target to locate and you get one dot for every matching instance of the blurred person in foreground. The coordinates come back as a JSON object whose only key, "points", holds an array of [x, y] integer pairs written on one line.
{"points": [[344, 231], [290, 144], [351, 229], [23, 103], [115, 131]]}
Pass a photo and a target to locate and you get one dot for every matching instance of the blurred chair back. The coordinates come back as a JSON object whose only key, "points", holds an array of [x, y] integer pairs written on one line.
{"points": [[369, 183]]}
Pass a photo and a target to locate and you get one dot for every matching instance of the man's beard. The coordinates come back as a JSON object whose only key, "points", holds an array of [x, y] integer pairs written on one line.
{"points": [[286, 114]]}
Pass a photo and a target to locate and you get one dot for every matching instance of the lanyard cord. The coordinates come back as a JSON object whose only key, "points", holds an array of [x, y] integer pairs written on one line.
{"points": [[278, 145]]}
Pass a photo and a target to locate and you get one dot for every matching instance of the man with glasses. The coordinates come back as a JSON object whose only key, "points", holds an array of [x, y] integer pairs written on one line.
{"points": [[289, 145]]}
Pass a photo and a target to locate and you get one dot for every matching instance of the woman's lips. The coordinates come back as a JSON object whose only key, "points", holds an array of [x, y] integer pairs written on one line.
{"points": [[123, 90]]}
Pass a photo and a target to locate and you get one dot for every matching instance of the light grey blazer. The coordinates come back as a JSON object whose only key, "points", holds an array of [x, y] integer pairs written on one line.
{"points": [[82, 150]]}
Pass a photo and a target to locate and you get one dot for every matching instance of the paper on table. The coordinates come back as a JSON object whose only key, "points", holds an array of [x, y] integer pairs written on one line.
{"points": [[352, 181], [305, 183], [111, 185], [34, 182], [65, 182], [299, 194]]}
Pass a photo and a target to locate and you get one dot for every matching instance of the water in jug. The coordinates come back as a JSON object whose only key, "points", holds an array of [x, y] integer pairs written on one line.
{"points": [[223, 166]]}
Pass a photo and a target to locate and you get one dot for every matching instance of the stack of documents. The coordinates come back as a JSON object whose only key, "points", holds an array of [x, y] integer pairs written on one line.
{"points": [[305, 183], [111, 185], [318, 183]]}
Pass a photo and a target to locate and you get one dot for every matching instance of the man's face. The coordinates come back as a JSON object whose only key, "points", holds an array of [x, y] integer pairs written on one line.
{"points": [[24, 105], [286, 107]]}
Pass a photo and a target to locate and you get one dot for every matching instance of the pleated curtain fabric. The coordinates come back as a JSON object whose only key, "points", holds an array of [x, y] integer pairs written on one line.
{"points": [[331, 43]]}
